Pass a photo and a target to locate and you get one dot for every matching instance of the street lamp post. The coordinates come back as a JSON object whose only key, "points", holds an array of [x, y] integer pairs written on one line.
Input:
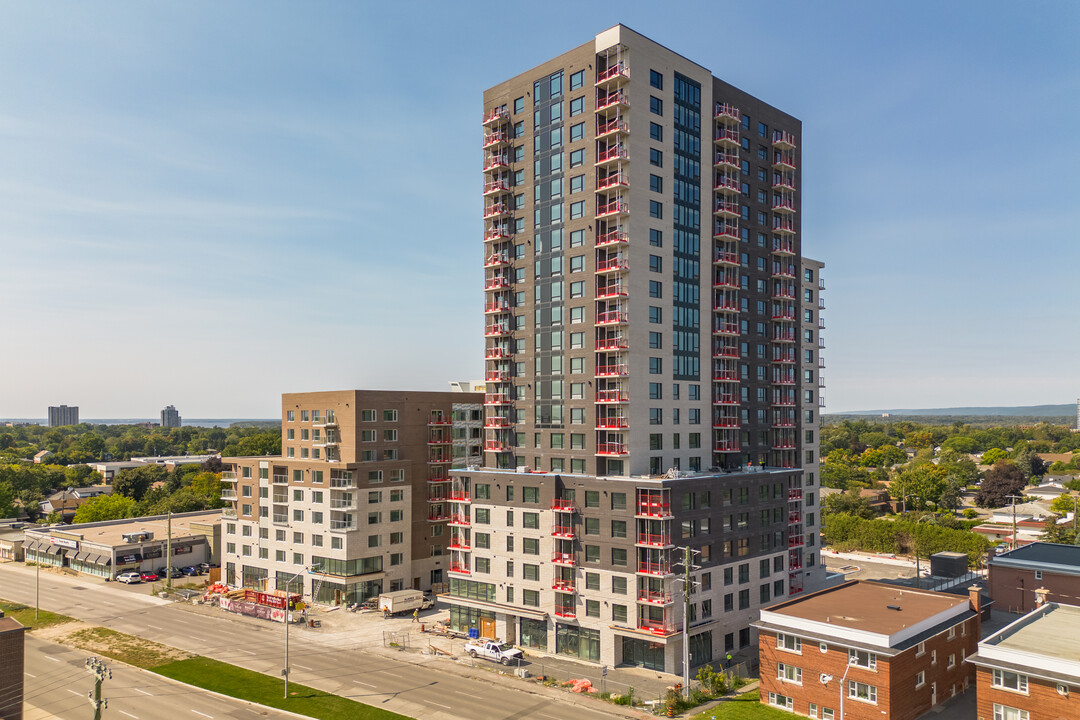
{"points": [[285, 672], [843, 684]]}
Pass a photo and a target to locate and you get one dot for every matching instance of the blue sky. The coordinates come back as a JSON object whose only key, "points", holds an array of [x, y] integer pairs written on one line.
{"points": [[208, 204]]}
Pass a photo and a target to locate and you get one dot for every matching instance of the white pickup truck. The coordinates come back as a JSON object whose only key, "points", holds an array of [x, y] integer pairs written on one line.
{"points": [[499, 651]]}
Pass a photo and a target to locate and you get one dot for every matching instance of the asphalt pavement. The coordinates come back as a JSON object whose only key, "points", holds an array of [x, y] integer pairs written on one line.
{"points": [[413, 685]]}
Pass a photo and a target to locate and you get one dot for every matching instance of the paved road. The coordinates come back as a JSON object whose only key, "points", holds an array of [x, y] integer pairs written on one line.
{"points": [[57, 685], [332, 663]]}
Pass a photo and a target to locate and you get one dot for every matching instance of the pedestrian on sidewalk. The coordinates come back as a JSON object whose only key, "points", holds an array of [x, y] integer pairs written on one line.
{"points": [[416, 615]]}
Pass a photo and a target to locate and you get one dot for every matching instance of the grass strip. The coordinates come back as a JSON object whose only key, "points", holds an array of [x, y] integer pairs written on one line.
{"points": [[747, 706], [132, 650], [255, 687], [24, 614]]}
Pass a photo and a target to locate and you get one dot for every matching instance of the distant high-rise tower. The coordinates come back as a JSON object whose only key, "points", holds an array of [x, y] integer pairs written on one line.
{"points": [[63, 415], [170, 418]]}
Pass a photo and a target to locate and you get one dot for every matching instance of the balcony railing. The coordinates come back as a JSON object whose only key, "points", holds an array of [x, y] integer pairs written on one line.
{"points": [[566, 532], [654, 508], [604, 396], [727, 113], [496, 116], [565, 611], [654, 597], [460, 496], [618, 71], [727, 446], [612, 423], [612, 370], [281, 479], [561, 505], [612, 317], [726, 135], [615, 343], [343, 525], [657, 627], [616, 207], [615, 263], [612, 237], [783, 140], [458, 519], [563, 585], [458, 567], [654, 568], [654, 539], [612, 449], [615, 152], [562, 558]]}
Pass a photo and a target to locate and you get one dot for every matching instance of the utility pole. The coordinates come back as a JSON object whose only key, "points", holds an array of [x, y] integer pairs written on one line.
{"points": [[100, 673], [688, 589], [37, 586], [1014, 498], [168, 553]]}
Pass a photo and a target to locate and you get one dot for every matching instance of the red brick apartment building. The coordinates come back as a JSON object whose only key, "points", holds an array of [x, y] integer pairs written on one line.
{"points": [[1030, 670], [11, 668], [866, 650], [1017, 574]]}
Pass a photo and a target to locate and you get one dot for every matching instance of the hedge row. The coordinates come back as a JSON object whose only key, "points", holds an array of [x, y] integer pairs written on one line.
{"points": [[848, 532]]}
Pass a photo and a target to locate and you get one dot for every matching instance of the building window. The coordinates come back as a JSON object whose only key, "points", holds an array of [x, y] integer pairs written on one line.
{"points": [[656, 105], [577, 79], [789, 643], [656, 132], [656, 183], [656, 209], [656, 157], [577, 106], [862, 691], [577, 158], [1004, 712], [788, 673], [656, 237], [781, 701], [1010, 681], [656, 79], [861, 658]]}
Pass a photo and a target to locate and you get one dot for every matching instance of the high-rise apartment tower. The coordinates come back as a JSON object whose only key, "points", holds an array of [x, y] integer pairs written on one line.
{"points": [[61, 415], [651, 369]]}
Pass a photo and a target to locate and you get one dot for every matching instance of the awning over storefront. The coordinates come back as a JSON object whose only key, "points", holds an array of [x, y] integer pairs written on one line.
{"points": [[80, 556], [98, 560]]}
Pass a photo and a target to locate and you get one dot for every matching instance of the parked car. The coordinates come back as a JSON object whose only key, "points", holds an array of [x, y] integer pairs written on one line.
{"points": [[129, 577], [504, 653], [190, 570], [149, 576], [205, 567], [164, 572]]}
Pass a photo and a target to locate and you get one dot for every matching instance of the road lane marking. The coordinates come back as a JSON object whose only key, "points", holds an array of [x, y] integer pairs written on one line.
{"points": [[393, 675], [144, 692], [196, 638], [155, 627], [74, 692], [129, 715], [462, 692], [363, 683], [201, 713], [50, 657], [302, 667], [249, 652], [29, 675], [432, 702]]}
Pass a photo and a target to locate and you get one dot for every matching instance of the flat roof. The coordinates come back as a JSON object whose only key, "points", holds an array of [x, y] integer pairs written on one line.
{"points": [[1051, 633], [1043, 553], [9, 624], [870, 607], [111, 533]]}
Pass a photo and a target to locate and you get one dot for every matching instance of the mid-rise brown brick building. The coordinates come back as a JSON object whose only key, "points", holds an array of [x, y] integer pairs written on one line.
{"points": [[866, 651], [1017, 574], [360, 494], [11, 668], [1030, 670]]}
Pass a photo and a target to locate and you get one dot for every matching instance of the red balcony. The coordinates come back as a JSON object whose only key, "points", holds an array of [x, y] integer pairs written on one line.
{"points": [[496, 116], [783, 401], [496, 376], [496, 399], [612, 423], [783, 140], [727, 113], [496, 210], [495, 354], [458, 520], [460, 496], [615, 207], [605, 100], [658, 569], [615, 152], [653, 508], [497, 422], [496, 307], [784, 225], [613, 263], [783, 204], [560, 505], [654, 597], [796, 541], [725, 351], [613, 237], [457, 567], [783, 355], [563, 585], [725, 422], [654, 539], [618, 71], [438, 475], [794, 494], [727, 183], [783, 181], [496, 260], [496, 233], [794, 518], [614, 290], [783, 335], [725, 328], [493, 187], [563, 558], [784, 160], [612, 396], [458, 544], [440, 419], [612, 317], [725, 230], [656, 627], [565, 611], [726, 399], [439, 440], [783, 423], [496, 162], [496, 446], [614, 180], [496, 138], [732, 375], [783, 246], [496, 330], [614, 125], [783, 445], [612, 370], [727, 208], [726, 136], [566, 532], [436, 516], [726, 159], [437, 494], [726, 278], [612, 449], [727, 446], [783, 291], [726, 258], [614, 343]]}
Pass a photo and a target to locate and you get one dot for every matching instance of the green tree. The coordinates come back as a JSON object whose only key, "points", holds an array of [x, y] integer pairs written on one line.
{"points": [[1063, 504], [134, 482], [105, 507], [850, 503], [993, 455], [7, 500]]}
